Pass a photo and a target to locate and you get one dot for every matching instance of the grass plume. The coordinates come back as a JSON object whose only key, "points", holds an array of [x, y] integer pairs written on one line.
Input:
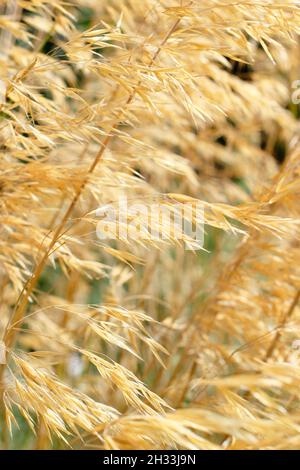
{"points": [[140, 343]]}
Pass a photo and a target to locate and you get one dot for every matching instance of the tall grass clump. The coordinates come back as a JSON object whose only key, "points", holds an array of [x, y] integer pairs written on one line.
{"points": [[140, 343]]}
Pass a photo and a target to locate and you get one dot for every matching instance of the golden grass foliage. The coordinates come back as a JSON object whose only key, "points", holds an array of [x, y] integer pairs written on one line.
{"points": [[135, 344]]}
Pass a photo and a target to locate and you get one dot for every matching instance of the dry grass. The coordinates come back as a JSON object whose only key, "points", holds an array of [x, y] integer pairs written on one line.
{"points": [[137, 344]]}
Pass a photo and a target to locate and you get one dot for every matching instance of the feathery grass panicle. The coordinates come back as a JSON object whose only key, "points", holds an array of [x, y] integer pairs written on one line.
{"points": [[135, 342]]}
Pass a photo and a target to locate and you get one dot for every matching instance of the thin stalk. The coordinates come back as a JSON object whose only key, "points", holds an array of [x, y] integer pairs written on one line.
{"points": [[286, 317]]}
